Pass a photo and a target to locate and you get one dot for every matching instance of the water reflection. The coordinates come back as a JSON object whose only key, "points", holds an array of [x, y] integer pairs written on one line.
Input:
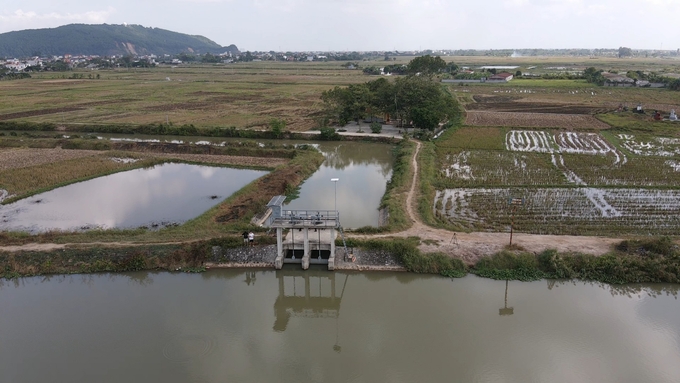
{"points": [[311, 294], [153, 197], [631, 290], [265, 325], [505, 310], [363, 169]]}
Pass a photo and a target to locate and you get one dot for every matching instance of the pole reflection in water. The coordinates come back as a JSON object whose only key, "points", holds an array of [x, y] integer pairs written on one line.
{"points": [[506, 310]]}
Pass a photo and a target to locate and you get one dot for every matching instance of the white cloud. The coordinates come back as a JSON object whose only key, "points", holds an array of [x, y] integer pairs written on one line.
{"points": [[20, 19]]}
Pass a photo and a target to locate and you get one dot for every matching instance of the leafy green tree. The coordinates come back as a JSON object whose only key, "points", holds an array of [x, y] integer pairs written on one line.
{"points": [[277, 126], [372, 70], [625, 52], [594, 76], [451, 68], [417, 100], [675, 84], [328, 134], [210, 58], [427, 65], [347, 104]]}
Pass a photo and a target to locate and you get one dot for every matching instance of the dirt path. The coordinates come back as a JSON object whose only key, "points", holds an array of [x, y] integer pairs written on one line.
{"points": [[471, 246]]}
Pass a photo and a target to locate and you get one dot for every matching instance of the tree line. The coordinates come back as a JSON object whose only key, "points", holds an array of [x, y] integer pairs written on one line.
{"points": [[418, 101]]}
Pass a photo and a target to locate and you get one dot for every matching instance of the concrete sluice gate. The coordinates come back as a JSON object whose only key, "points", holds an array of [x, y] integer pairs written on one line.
{"points": [[310, 238]]}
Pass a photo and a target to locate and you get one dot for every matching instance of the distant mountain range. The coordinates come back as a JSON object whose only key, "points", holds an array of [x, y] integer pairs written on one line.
{"points": [[104, 40]]}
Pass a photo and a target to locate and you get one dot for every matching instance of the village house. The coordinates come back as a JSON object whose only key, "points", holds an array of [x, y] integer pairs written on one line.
{"points": [[501, 77], [613, 79]]}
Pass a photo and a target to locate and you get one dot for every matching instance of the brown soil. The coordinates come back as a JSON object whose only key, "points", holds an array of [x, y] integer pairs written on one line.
{"points": [[40, 112], [514, 104], [534, 120]]}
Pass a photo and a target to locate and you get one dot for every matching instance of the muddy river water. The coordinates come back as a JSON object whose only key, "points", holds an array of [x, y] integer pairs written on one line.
{"points": [[319, 326]]}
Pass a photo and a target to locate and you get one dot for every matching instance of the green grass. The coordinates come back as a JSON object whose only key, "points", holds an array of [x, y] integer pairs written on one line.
{"points": [[632, 122], [649, 261], [406, 251], [473, 138]]}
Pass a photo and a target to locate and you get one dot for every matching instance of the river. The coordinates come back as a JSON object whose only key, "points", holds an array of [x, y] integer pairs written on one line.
{"points": [[319, 326]]}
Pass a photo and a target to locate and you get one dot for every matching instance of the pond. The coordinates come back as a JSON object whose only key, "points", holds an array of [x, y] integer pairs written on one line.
{"points": [[320, 326], [154, 197], [363, 170]]}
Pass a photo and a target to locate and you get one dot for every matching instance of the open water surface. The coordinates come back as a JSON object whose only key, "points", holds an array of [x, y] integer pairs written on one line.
{"points": [[153, 197], [363, 170], [320, 326]]}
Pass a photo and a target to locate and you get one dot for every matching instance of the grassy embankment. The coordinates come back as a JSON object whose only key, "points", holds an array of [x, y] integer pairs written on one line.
{"points": [[633, 261], [186, 257]]}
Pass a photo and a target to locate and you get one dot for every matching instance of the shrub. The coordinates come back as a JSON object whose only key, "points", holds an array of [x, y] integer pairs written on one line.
{"points": [[328, 134], [376, 127]]}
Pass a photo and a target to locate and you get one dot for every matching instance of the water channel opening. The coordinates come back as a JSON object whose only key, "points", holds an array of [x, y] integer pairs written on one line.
{"points": [[325, 254], [297, 253]]}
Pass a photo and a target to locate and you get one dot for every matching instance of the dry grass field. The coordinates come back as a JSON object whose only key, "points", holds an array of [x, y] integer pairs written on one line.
{"points": [[241, 95]]}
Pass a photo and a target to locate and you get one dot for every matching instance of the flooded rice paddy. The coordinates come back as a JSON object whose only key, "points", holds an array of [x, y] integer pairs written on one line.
{"points": [[319, 326], [163, 195]]}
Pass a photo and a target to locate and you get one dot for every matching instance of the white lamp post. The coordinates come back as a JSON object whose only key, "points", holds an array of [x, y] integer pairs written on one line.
{"points": [[335, 199]]}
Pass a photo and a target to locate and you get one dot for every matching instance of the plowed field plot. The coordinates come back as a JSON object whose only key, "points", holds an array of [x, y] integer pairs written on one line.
{"points": [[507, 104], [564, 142], [530, 141], [563, 211], [534, 120], [651, 146]]}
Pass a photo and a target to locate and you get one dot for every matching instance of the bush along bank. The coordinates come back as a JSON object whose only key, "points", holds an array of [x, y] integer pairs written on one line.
{"points": [[407, 252], [634, 261]]}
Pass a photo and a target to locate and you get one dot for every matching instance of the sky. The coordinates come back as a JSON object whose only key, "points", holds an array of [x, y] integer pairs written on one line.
{"points": [[362, 25]]}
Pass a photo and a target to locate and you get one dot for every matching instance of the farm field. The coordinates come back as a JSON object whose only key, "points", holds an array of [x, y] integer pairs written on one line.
{"points": [[563, 211], [572, 182], [533, 120], [241, 95]]}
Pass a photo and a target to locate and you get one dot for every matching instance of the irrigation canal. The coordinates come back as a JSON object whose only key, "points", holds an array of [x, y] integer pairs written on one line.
{"points": [[318, 326]]}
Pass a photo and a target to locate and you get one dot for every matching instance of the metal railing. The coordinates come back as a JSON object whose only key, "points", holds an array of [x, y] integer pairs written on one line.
{"points": [[308, 217]]}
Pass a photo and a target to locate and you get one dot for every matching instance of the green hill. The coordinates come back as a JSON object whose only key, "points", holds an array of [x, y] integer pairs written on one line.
{"points": [[103, 40]]}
